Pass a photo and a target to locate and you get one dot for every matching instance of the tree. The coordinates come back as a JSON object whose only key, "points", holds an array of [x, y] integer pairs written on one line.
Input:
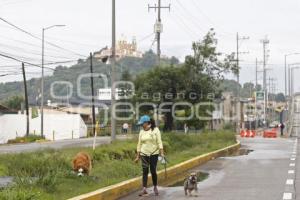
{"points": [[199, 75], [158, 86], [14, 102], [248, 90], [205, 68]]}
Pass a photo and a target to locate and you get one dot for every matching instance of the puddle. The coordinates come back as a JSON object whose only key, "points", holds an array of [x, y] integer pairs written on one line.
{"points": [[5, 181], [201, 176], [241, 152]]}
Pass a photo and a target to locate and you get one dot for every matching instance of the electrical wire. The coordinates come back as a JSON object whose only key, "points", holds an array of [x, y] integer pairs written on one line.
{"points": [[184, 26], [18, 60], [31, 52], [195, 20], [210, 20], [190, 14], [38, 38], [29, 44], [146, 37]]}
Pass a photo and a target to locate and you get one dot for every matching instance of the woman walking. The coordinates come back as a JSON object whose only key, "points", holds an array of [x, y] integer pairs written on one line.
{"points": [[148, 148]]}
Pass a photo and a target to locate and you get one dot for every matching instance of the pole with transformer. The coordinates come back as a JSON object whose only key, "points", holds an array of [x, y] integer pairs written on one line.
{"points": [[265, 43], [158, 27], [238, 105]]}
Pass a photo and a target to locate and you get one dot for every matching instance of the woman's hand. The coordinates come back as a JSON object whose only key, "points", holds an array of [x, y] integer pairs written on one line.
{"points": [[137, 158], [162, 153]]}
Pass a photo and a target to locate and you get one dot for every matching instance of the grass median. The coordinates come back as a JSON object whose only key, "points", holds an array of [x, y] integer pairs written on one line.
{"points": [[48, 174]]}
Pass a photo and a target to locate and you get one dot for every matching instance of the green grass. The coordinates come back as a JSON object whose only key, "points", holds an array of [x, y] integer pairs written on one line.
{"points": [[48, 174], [26, 139]]}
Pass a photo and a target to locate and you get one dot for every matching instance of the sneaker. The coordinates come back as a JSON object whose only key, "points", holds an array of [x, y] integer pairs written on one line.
{"points": [[143, 192], [155, 191]]}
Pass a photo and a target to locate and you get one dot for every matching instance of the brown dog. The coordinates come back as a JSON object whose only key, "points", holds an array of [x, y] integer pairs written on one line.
{"points": [[82, 164]]}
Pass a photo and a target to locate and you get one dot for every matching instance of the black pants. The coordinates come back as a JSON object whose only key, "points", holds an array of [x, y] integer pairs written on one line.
{"points": [[149, 161]]}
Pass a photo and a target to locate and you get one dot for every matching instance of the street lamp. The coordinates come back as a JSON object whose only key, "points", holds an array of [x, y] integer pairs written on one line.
{"points": [[292, 78], [42, 82], [285, 68]]}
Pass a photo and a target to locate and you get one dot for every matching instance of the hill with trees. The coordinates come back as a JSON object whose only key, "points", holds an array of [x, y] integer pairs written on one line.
{"points": [[131, 65]]}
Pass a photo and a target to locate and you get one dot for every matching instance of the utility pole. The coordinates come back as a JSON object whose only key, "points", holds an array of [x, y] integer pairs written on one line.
{"points": [[285, 73], [26, 100], [93, 94], [238, 39], [113, 72], [265, 43], [158, 27], [256, 71], [42, 84]]}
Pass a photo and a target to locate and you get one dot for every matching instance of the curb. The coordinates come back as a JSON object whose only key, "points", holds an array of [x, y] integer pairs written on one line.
{"points": [[124, 188]]}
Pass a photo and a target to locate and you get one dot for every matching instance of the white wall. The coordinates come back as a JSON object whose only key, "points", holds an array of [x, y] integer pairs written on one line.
{"points": [[11, 126], [62, 125]]}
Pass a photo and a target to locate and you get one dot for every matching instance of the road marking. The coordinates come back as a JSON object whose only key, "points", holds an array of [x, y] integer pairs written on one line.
{"points": [[287, 196], [292, 165], [294, 152], [289, 182], [293, 159], [291, 171]]}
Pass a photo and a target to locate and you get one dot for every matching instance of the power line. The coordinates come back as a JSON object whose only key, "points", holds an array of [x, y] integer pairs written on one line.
{"points": [[145, 37], [21, 61], [186, 28], [28, 43], [210, 20], [196, 22], [36, 37], [31, 52]]}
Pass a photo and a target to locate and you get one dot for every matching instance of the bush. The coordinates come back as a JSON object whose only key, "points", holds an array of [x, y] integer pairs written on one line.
{"points": [[228, 126], [26, 139]]}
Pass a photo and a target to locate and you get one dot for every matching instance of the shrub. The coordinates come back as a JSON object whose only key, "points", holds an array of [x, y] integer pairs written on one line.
{"points": [[27, 139]]}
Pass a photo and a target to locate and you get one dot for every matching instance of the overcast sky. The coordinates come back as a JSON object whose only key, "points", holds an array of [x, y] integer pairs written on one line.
{"points": [[88, 28]]}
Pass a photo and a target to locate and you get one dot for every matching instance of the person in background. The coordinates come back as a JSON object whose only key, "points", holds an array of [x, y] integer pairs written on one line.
{"points": [[186, 128], [148, 148], [125, 127]]}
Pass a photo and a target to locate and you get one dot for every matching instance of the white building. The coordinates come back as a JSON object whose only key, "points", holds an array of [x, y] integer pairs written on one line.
{"points": [[56, 126]]}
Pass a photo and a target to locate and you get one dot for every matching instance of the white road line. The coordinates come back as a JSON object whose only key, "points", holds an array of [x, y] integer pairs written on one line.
{"points": [[289, 182], [293, 159], [292, 165], [287, 196], [291, 171]]}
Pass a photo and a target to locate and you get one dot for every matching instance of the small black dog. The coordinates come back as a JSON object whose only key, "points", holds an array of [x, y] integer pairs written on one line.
{"points": [[190, 184]]}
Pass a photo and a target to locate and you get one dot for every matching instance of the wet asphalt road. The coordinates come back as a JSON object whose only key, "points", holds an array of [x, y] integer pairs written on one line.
{"points": [[270, 172], [261, 175]]}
